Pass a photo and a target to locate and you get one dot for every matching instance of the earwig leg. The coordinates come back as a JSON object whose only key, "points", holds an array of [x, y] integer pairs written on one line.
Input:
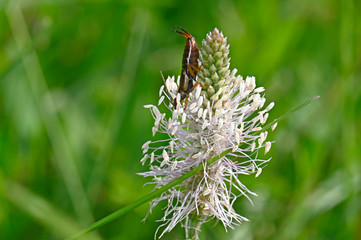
{"points": [[186, 103], [201, 66], [192, 70], [198, 83], [195, 68]]}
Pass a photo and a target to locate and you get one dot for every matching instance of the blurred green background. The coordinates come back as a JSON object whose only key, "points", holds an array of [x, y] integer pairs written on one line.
{"points": [[76, 74]]}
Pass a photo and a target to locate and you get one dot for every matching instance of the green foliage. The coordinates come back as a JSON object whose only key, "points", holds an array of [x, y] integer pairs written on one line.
{"points": [[74, 76]]}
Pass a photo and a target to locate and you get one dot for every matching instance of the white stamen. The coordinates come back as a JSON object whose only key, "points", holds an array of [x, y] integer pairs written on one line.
{"points": [[261, 119], [158, 115], [265, 135], [232, 127], [174, 130], [151, 157], [218, 137], [163, 163], [241, 128], [205, 124], [165, 157], [161, 90], [200, 112], [204, 113], [261, 139], [144, 159], [256, 119], [267, 147], [256, 129], [198, 92], [259, 171], [178, 101], [174, 165], [220, 123], [171, 144], [170, 123], [218, 104], [235, 148], [263, 100], [253, 146], [146, 146], [180, 111], [197, 155], [250, 83], [240, 120], [270, 106], [265, 117], [193, 105], [274, 126], [174, 86], [184, 117], [160, 100], [259, 90], [195, 109], [237, 138], [200, 101], [206, 192]]}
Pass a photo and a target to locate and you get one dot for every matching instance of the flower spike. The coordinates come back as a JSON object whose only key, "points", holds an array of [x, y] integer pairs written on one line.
{"points": [[228, 114]]}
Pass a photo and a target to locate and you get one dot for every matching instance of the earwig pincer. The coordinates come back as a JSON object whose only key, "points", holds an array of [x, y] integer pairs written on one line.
{"points": [[190, 67]]}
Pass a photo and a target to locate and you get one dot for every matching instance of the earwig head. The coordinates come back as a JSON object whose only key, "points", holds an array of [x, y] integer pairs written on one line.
{"points": [[184, 33]]}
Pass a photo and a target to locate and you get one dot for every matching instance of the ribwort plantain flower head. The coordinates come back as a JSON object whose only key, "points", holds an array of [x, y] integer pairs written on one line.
{"points": [[228, 113]]}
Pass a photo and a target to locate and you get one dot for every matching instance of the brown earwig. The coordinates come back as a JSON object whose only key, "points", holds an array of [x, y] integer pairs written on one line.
{"points": [[190, 67]]}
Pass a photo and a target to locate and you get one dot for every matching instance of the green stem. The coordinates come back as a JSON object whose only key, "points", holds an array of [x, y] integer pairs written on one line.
{"points": [[283, 116], [159, 191]]}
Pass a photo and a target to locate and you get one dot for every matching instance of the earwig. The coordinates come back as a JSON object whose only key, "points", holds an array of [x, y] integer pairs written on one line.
{"points": [[190, 68]]}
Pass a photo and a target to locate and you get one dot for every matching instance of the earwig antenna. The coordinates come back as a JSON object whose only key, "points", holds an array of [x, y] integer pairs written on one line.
{"points": [[183, 30], [184, 33]]}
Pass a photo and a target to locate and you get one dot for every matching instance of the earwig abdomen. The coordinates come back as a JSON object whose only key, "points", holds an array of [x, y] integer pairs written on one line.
{"points": [[190, 57]]}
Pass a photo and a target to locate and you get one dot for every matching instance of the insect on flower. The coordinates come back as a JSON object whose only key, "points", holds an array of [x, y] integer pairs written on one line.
{"points": [[190, 68], [222, 122]]}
